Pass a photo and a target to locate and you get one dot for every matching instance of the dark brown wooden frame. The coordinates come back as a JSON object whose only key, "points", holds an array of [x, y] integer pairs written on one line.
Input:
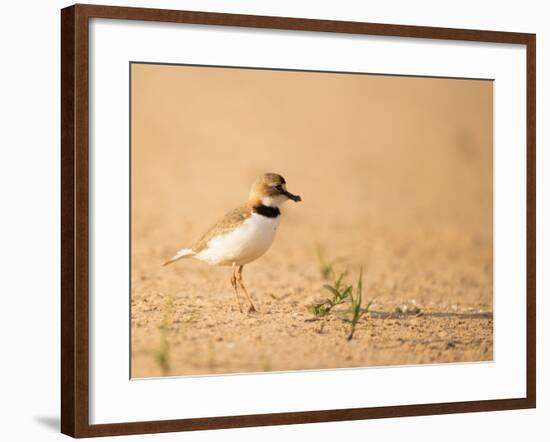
{"points": [[74, 220]]}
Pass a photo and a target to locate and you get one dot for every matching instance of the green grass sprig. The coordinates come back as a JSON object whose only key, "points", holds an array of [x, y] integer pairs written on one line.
{"points": [[162, 353], [356, 311], [341, 293]]}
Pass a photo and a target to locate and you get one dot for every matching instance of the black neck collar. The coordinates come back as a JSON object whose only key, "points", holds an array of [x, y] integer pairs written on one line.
{"points": [[267, 211]]}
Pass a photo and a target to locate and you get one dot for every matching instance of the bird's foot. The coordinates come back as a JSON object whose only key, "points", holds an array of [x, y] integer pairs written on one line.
{"points": [[252, 309]]}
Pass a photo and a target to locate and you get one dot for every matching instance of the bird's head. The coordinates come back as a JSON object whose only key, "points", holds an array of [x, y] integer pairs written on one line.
{"points": [[269, 189]]}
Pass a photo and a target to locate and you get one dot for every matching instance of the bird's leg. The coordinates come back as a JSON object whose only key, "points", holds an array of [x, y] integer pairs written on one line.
{"points": [[234, 284], [239, 276]]}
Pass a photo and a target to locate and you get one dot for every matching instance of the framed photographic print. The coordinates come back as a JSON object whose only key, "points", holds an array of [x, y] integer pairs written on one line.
{"points": [[272, 220]]}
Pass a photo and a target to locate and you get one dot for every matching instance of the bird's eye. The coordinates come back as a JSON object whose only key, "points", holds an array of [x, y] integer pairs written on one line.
{"points": [[279, 187]]}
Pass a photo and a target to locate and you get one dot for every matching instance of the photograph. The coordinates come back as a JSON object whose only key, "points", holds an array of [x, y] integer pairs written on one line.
{"points": [[301, 220]]}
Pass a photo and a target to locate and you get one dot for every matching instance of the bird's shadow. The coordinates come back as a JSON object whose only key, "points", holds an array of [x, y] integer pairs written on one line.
{"points": [[51, 422]]}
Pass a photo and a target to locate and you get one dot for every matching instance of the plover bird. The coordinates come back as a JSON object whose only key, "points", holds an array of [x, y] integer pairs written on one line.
{"points": [[245, 233]]}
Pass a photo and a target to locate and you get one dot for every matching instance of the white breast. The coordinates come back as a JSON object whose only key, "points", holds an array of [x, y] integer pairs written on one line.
{"points": [[247, 242]]}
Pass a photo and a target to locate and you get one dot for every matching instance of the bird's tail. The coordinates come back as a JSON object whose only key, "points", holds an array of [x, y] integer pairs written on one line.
{"points": [[183, 253]]}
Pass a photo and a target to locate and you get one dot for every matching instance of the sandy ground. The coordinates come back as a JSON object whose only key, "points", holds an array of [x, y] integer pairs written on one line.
{"points": [[396, 177]]}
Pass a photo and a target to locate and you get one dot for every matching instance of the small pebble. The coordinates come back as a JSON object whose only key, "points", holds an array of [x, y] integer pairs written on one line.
{"points": [[406, 309]]}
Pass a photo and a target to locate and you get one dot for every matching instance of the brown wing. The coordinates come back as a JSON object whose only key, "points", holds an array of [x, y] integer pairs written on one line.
{"points": [[226, 224]]}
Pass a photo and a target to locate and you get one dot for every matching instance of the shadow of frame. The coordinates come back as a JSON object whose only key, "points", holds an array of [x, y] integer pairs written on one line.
{"points": [[51, 422]]}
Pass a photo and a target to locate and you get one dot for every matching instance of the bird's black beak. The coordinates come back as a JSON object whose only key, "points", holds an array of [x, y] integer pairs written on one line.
{"points": [[295, 198]]}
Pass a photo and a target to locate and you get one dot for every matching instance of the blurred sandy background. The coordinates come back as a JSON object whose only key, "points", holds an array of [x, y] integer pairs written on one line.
{"points": [[395, 175]]}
